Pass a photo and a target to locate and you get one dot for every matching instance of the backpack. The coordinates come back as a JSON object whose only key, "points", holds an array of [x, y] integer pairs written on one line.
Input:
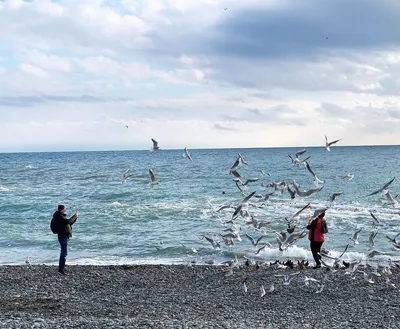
{"points": [[54, 224]]}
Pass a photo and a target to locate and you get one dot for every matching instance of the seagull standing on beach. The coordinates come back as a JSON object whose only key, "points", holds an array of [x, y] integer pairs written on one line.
{"points": [[27, 261], [329, 144]]}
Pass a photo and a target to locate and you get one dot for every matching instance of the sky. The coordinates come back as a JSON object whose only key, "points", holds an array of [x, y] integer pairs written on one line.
{"points": [[198, 73]]}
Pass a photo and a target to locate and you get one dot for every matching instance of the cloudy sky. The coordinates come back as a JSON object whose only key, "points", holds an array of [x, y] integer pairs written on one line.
{"points": [[262, 73]]}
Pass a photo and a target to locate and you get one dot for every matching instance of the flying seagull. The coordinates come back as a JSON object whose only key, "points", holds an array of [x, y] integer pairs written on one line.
{"points": [[382, 188], [155, 145], [126, 175], [152, 177], [187, 154], [329, 144]]}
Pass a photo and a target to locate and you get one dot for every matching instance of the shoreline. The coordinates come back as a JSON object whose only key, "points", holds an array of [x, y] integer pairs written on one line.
{"points": [[199, 296]]}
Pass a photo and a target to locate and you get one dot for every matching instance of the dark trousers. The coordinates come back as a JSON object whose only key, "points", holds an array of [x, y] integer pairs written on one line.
{"points": [[315, 249], [63, 254]]}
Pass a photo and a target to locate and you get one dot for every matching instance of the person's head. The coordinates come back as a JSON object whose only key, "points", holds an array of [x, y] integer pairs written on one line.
{"points": [[61, 208], [321, 215]]}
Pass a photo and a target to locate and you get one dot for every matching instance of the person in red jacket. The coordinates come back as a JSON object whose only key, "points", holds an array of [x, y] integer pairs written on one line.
{"points": [[316, 234]]}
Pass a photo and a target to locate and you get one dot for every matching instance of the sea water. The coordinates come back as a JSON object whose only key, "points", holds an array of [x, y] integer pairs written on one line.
{"points": [[138, 222]]}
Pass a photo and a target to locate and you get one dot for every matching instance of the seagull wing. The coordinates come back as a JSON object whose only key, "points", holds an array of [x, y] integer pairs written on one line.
{"points": [[300, 153], [382, 188], [301, 210], [152, 176]]}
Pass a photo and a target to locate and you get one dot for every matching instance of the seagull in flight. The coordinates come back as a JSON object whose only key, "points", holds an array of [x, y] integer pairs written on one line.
{"points": [[152, 177], [384, 187], [155, 145], [187, 154], [296, 161], [333, 197], [126, 175], [329, 144], [391, 200], [317, 181], [349, 176]]}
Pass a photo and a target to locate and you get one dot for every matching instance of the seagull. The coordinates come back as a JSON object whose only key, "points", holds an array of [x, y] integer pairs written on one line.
{"points": [[316, 179], [296, 161], [336, 259], [382, 188], [126, 175], [328, 144], [334, 196], [126, 126], [267, 244], [349, 176], [293, 221], [215, 244], [391, 200], [254, 242], [155, 145], [355, 236], [305, 194], [375, 221], [27, 261], [152, 177], [372, 239], [243, 203], [187, 154], [262, 291], [225, 8], [394, 242], [250, 180]]}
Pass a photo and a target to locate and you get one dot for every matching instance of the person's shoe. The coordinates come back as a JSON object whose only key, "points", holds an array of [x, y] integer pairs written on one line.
{"points": [[62, 272], [317, 266]]}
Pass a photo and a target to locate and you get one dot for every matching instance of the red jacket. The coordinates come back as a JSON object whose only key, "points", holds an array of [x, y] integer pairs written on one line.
{"points": [[315, 230]]}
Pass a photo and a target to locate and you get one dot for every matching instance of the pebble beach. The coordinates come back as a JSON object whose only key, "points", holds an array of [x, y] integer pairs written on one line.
{"points": [[180, 296]]}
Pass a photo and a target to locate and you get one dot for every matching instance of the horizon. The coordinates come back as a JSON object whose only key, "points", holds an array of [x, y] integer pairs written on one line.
{"points": [[95, 75], [194, 149]]}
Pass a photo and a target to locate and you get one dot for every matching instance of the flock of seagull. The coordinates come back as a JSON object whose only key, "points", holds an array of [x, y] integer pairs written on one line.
{"points": [[232, 229]]}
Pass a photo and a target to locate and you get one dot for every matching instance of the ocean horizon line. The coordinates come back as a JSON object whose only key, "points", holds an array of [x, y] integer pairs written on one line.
{"points": [[205, 148]]}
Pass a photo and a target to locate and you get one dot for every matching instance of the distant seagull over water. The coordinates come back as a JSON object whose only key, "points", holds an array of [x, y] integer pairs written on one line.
{"points": [[349, 176], [126, 175], [126, 126], [155, 145], [329, 144], [187, 154], [152, 177]]}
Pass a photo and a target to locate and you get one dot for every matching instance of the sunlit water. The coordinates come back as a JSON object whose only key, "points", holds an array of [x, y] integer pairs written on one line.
{"points": [[137, 222]]}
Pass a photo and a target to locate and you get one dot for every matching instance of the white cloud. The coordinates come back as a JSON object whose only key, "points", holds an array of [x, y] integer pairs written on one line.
{"points": [[33, 70], [220, 77]]}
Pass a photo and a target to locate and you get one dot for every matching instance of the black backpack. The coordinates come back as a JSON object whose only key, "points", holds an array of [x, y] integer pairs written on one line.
{"points": [[54, 224]]}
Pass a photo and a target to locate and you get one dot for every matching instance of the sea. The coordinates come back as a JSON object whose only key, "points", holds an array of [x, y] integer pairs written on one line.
{"points": [[141, 223]]}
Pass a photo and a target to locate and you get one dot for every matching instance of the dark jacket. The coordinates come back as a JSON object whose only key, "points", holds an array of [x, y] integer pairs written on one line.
{"points": [[65, 224], [317, 229]]}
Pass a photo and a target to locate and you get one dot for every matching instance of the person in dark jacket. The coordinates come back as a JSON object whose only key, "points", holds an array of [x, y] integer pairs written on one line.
{"points": [[316, 234], [64, 226]]}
